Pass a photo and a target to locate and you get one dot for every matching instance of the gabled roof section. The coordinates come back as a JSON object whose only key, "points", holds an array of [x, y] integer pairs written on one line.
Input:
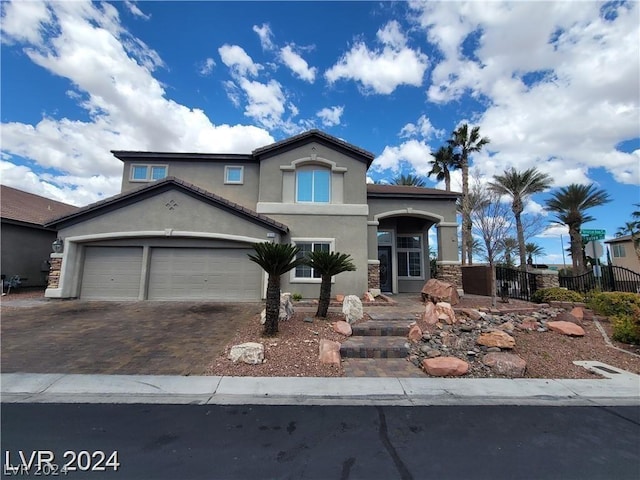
{"points": [[621, 239], [159, 186], [25, 207], [136, 156], [315, 136], [408, 191]]}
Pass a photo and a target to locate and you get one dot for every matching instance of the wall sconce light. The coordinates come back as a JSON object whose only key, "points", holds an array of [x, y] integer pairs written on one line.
{"points": [[58, 245]]}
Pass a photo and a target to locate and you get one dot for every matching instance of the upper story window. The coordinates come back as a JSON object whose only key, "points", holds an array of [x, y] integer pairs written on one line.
{"points": [[313, 185], [147, 173], [234, 174], [618, 250]]}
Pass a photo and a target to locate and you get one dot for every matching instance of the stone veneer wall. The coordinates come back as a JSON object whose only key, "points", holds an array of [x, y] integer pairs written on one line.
{"points": [[373, 276], [450, 273], [55, 265], [547, 280]]}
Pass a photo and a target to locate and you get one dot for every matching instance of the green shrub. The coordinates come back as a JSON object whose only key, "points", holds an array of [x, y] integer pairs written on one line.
{"points": [[296, 297], [624, 312], [556, 294]]}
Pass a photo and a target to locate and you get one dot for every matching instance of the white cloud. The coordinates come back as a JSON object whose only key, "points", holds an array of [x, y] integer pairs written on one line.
{"points": [[265, 35], [265, 102], [423, 129], [207, 66], [135, 10], [331, 116], [238, 61], [412, 153], [111, 71], [381, 70], [297, 64]]}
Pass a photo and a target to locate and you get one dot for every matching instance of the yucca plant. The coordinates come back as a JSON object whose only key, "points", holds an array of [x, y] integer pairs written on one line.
{"points": [[275, 259], [328, 264]]}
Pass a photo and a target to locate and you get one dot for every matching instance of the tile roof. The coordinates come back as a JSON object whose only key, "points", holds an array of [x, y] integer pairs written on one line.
{"points": [[181, 184], [408, 191], [26, 207]]}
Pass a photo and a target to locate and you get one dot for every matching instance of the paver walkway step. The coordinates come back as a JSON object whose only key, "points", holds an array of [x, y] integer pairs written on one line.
{"points": [[375, 347], [393, 316], [380, 367], [381, 328]]}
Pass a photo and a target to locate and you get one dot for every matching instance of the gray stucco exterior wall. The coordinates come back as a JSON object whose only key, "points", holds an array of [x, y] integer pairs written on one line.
{"points": [[25, 251]]}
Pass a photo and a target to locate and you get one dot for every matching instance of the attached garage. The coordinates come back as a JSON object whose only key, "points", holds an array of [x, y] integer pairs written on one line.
{"points": [[111, 273], [203, 274]]}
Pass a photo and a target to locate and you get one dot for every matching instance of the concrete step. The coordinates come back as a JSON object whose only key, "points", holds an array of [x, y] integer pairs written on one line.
{"points": [[381, 328], [393, 316], [375, 347]]}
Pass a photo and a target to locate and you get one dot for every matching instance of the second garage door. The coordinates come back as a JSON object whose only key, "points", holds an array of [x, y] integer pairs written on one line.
{"points": [[203, 274]]}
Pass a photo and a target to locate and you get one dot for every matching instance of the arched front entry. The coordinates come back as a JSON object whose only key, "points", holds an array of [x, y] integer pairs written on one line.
{"points": [[399, 249]]}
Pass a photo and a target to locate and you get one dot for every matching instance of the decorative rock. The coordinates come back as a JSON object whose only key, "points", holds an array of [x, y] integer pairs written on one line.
{"points": [[342, 328], [352, 308], [340, 298], [529, 323], [367, 297], [507, 327], [415, 334], [329, 352], [496, 338], [308, 319], [439, 291], [445, 366], [250, 352], [566, 328], [430, 314], [472, 313], [286, 307], [444, 307], [263, 316], [493, 349], [578, 312], [433, 353], [466, 328], [507, 364]]}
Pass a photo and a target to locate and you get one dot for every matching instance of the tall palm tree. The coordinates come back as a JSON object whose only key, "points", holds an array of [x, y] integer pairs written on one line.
{"points": [[509, 245], [629, 228], [442, 165], [464, 142], [520, 186], [533, 250], [632, 228], [569, 204], [275, 259], [408, 179], [328, 264]]}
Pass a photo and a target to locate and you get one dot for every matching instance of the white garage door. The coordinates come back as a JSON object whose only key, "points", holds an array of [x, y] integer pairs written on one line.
{"points": [[111, 273], [203, 274]]}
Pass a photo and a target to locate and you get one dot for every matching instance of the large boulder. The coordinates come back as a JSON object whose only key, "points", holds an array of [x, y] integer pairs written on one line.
{"points": [[507, 364], [329, 352], [496, 338], [352, 308], [250, 352], [445, 366], [343, 328], [566, 328], [438, 291], [445, 312]]}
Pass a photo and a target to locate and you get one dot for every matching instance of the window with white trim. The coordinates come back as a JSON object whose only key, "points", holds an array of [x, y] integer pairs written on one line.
{"points": [[304, 273], [409, 254], [147, 173], [618, 251], [313, 185], [234, 174]]}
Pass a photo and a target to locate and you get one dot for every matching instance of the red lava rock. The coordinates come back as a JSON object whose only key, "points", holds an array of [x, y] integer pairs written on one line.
{"points": [[415, 334], [566, 328], [507, 364], [496, 338], [445, 366], [329, 352]]}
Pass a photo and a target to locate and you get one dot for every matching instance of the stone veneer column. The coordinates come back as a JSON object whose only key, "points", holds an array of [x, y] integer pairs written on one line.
{"points": [[373, 277], [55, 266], [546, 279], [450, 273]]}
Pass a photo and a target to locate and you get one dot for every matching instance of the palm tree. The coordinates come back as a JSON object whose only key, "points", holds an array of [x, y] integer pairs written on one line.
{"points": [[632, 228], [533, 250], [275, 259], [629, 228], [569, 204], [509, 245], [327, 264], [519, 186], [463, 142], [442, 165], [409, 179]]}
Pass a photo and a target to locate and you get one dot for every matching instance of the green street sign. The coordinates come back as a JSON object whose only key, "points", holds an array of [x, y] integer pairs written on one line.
{"points": [[592, 235]]}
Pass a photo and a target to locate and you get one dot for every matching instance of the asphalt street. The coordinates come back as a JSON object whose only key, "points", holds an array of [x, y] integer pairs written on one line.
{"points": [[323, 442]]}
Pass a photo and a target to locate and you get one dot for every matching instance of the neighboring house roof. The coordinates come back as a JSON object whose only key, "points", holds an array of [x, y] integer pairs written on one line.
{"points": [[128, 155], [320, 137], [407, 191], [624, 238], [157, 187], [24, 207]]}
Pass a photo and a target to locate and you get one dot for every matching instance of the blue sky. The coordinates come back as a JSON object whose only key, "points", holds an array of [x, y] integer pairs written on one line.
{"points": [[554, 85]]}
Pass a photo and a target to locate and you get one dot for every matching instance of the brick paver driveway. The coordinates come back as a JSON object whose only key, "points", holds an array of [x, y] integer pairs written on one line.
{"points": [[150, 338]]}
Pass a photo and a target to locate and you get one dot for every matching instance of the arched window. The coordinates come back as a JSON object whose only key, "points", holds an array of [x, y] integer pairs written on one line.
{"points": [[313, 184]]}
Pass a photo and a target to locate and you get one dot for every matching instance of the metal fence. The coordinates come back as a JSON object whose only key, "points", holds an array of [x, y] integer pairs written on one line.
{"points": [[513, 283], [607, 278]]}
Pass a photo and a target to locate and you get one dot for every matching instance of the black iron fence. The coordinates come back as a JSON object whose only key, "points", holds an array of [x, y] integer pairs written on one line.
{"points": [[607, 278], [513, 283]]}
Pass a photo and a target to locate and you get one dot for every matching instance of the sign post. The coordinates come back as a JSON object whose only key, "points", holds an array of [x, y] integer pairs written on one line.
{"points": [[592, 236]]}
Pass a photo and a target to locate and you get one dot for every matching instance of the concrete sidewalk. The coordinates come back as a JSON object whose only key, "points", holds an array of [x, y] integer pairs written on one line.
{"points": [[618, 388]]}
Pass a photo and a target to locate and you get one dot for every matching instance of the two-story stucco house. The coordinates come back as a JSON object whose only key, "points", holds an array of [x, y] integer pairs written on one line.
{"points": [[184, 223]]}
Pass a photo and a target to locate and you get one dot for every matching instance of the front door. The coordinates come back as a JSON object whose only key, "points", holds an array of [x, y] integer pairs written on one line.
{"points": [[384, 255]]}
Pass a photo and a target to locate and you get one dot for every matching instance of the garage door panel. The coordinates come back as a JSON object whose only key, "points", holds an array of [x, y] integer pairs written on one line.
{"points": [[203, 274], [111, 273]]}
